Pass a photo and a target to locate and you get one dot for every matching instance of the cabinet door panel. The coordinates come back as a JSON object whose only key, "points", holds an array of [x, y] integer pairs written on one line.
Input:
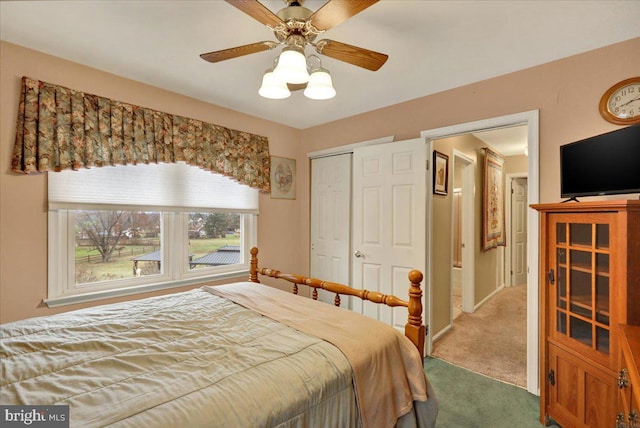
{"points": [[600, 394], [568, 377], [583, 396], [580, 298], [566, 394]]}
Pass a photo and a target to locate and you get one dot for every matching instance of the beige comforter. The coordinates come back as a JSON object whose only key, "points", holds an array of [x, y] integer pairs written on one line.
{"points": [[182, 360], [196, 359], [387, 369]]}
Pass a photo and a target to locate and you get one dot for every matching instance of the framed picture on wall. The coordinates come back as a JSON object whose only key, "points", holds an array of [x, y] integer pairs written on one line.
{"points": [[283, 178], [440, 173], [493, 218]]}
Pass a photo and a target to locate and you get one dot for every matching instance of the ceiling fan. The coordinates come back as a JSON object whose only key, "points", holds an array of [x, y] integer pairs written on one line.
{"points": [[297, 26]]}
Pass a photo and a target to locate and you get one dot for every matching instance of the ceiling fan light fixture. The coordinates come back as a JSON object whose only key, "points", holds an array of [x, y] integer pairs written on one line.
{"points": [[292, 66], [297, 27], [272, 87], [320, 86]]}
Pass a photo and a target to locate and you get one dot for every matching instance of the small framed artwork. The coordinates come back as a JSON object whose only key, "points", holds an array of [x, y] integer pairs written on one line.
{"points": [[440, 173], [283, 178]]}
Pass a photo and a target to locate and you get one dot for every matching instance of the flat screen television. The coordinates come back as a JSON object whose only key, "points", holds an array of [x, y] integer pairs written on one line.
{"points": [[607, 164]]}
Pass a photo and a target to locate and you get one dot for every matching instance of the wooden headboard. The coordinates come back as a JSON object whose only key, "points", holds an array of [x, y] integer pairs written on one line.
{"points": [[415, 330]]}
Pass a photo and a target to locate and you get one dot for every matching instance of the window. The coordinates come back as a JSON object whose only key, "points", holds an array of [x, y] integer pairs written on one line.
{"points": [[214, 239], [131, 229], [115, 244]]}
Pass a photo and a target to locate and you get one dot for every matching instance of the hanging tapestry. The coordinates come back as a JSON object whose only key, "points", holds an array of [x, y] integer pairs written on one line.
{"points": [[493, 201], [60, 128]]}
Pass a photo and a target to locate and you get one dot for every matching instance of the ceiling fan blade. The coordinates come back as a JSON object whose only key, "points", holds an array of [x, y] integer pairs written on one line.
{"points": [[257, 11], [334, 12], [238, 51], [351, 54]]}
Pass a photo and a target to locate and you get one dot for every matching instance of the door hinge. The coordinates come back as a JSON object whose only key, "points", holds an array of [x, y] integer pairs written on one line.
{"points": [[427, 164], [552, 377], [551, 277]]}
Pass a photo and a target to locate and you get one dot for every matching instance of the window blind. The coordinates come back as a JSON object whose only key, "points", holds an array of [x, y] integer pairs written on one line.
{"points": [[162, 187]]}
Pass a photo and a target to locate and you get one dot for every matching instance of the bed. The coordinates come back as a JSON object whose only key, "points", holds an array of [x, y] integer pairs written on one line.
{"points": [[235, 355]]}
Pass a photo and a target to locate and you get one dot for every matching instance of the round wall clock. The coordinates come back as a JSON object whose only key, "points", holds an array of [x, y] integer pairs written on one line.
{"points": [[620, 104]]}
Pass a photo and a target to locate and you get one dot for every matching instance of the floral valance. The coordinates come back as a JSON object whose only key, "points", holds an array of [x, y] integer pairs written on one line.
{"points": [[60, 128]]}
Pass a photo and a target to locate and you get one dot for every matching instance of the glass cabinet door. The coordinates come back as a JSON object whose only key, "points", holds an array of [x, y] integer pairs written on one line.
{"points": [[582, 283]]}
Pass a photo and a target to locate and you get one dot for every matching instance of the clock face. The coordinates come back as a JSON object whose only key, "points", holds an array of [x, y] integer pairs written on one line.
{"points": [[621, 103], [625, 102]]}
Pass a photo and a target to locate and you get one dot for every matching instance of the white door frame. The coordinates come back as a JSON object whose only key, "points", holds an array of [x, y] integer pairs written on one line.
{"points": [[509, 225], [531, 119], [468, 232]]}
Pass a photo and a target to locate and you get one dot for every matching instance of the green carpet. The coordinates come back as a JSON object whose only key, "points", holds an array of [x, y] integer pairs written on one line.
{"points": [[470, 400]]}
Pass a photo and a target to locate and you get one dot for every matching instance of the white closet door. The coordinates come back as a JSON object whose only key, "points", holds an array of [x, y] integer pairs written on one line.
{"points": [[330, 221], [389, 222], [518, 231]]}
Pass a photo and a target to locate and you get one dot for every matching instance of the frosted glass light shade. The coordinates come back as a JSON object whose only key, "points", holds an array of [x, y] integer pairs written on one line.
{"points": [[272, 87], [292, 66], [320, 86]]}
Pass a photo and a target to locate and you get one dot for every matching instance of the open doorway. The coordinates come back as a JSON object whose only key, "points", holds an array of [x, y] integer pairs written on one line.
{"points": [[439, 324], [462, 235], [487, 334]]}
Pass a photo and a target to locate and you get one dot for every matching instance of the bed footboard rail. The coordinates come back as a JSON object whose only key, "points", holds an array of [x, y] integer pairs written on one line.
{"points": [[415, 330]]}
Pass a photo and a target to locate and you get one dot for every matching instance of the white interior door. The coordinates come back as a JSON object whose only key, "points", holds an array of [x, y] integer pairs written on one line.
{"points": [[389, 222], [330, 225], [519, 231]]}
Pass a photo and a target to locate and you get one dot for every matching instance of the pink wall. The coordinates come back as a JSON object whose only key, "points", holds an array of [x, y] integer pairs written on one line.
{"points": [[566, 92], [23, 199]]}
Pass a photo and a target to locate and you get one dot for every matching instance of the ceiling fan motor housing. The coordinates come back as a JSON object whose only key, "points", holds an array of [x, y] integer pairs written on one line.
{"points": [[294, 12], [295, 22]]}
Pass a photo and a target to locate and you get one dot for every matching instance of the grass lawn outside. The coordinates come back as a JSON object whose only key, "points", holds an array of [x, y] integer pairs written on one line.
{"points": [[90, 268]]}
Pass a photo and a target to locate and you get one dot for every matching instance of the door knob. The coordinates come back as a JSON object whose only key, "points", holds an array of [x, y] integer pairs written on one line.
{"points": [[358, 253]]}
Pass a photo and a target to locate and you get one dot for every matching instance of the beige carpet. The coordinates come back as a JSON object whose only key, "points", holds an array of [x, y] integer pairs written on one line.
{"points": [[457, 302], [493, 340]]}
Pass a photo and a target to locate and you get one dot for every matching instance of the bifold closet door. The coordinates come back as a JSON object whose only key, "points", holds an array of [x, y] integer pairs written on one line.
{"points": [[330, 221]]}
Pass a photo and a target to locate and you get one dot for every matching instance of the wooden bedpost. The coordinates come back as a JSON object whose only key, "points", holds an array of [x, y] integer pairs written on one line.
{"points": [[253, 270], [414, 329]]}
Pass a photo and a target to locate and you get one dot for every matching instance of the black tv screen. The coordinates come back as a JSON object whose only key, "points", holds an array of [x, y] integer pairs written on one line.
{"points": [[606, 164]]}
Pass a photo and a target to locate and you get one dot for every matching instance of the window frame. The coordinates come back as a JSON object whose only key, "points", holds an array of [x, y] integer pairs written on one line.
{"points": [[62, 289]]}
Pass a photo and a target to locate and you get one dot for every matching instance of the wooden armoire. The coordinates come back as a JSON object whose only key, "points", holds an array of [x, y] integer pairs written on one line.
{"points": [[589, 288]]}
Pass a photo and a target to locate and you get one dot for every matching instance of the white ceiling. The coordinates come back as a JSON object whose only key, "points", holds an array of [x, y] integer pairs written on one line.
{"points": [[509, 141], [432, 46]]}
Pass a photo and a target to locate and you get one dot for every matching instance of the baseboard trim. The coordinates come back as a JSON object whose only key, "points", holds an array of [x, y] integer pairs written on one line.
{"points": [[475, 308], [441, 332], [483, 301]]}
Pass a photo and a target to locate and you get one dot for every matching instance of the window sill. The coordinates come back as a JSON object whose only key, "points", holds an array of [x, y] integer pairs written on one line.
{"points": [[72, 299]]}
